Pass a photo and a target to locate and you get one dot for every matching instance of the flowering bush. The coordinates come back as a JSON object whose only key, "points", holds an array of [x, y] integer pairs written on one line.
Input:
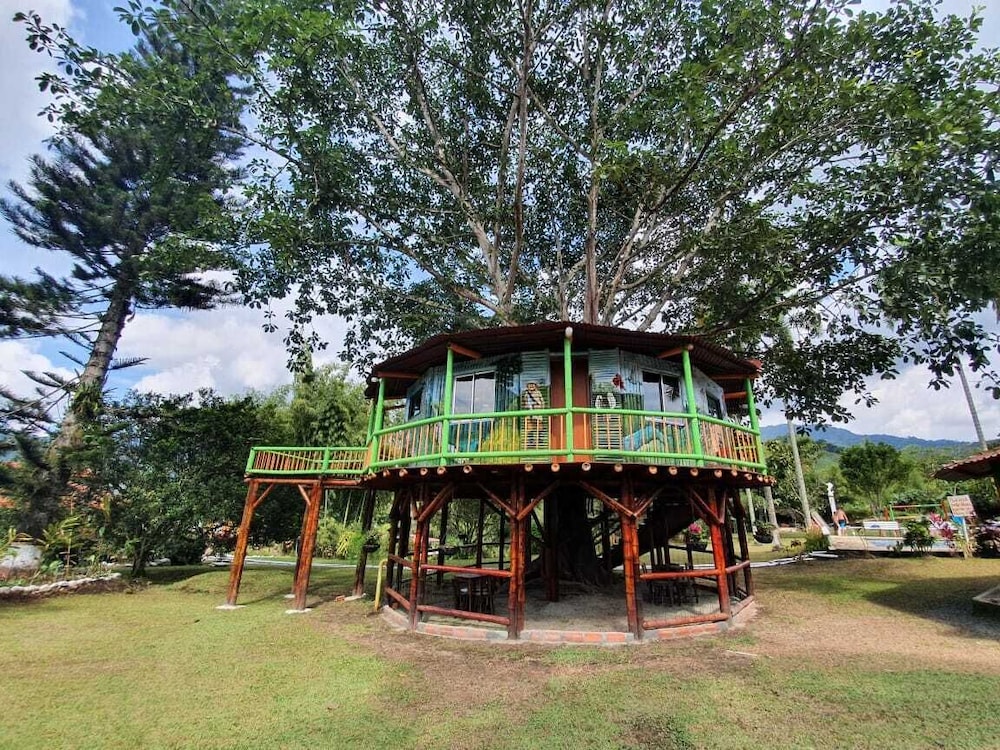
{"points": [[696, 535]]}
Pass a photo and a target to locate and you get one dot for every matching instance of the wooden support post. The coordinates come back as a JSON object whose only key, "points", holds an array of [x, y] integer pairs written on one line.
{"points": [[480, 525], [405, 524], [419, 559], [518, 548], [719, 554], [550, 560], [308, 544], [741, 530], [630, 542], [367, 516], [442, 540], [242, 540], [606, 538], [301, 539]]}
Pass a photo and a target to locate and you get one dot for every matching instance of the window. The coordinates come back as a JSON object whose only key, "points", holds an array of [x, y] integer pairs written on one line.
{"points": [[475, 394], [414, 407], [714, 406], [660, 392]]}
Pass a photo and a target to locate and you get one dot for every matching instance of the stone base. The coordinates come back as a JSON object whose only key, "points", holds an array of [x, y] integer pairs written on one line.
{"points": [[399, 621]]}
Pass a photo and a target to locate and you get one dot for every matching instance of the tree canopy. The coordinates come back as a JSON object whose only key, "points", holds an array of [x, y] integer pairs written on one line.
{"points": [[806, 182]]}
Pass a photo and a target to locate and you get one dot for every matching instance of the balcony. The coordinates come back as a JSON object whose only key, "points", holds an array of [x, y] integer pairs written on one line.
{"points": [[559, 435]]}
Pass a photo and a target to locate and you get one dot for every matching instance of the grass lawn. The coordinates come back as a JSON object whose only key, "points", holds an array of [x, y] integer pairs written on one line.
{"points": [[881, 653]]}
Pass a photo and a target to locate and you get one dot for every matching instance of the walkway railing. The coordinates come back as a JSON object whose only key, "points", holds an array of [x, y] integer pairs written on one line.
{"points": [[528, 436], [345, 462]]}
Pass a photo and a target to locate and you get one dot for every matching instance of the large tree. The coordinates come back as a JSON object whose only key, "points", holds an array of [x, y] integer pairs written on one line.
{"points": [[727, 167], [871, 469], [132, 203]]}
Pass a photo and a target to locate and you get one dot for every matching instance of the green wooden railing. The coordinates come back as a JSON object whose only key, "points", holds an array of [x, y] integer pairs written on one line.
{"points": [[529, 436], [345, 462]]}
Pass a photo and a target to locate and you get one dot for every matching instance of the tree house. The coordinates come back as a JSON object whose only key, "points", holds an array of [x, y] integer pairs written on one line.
{"points": [[532, 463]]}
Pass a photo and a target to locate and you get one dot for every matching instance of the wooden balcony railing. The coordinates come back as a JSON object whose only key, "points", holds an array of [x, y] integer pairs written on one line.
{"points": [[541, 435], [600, 435], [286, 461]]}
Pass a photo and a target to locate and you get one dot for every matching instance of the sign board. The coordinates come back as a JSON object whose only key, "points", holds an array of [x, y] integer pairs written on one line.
{"points": [[961, 505]]}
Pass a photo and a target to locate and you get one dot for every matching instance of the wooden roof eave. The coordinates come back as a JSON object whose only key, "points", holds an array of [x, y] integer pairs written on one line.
{"points": [[713, 360]]}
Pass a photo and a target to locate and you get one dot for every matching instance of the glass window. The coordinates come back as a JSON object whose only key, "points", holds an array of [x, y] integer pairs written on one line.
{"points": [[714, 406], [474, 394], [415, 406], [660, 392]]}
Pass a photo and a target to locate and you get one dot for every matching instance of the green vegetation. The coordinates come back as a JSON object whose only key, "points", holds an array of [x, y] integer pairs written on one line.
{"points": [[863, 653]]}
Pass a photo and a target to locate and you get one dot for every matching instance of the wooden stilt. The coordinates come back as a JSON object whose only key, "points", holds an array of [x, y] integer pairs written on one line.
{"points": [[719, 555], [516, 594], [242, 540], [394, 516], [606, 538], [301, 540], [308, 544], [480, 525], [442, 541], [741, 530], [550, 562], [630, 542], [405, 523], [419, 559], [367, 516]]}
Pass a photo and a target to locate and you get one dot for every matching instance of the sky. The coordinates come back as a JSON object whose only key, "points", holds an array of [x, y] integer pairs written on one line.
{"points": [[227, 349]]}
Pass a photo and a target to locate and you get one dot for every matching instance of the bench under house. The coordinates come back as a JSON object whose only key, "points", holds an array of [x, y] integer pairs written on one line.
{"points": [[578, 458]]}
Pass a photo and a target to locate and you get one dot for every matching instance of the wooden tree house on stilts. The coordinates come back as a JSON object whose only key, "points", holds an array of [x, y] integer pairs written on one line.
{"points": [[583, 459]]}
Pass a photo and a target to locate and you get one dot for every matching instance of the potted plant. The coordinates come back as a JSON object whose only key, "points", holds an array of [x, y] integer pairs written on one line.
{"points": [[763, 533], [372, 542], [696, 536]]}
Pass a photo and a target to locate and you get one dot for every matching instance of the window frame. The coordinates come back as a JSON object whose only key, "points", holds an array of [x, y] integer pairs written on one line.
{"points": [[474, 376], [675, 404]]}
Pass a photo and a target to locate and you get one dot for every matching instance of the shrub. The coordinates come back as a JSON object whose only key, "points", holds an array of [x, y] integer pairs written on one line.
{"points": [[816, 541], [987, 539], [918, 535]]}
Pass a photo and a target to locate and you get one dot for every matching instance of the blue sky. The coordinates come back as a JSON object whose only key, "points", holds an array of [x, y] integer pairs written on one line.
{"points": [[226, 349]]}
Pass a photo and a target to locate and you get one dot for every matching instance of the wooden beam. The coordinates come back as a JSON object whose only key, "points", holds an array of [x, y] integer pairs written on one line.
{"points": [[459, 349], [397, 375], [734, 395], [675, 351]]}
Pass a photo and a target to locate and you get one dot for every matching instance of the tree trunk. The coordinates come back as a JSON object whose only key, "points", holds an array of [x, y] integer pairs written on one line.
{"points": [[574, 552], [95, 372]]}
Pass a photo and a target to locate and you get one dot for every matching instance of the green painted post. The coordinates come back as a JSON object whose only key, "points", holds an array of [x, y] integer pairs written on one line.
{"points": [[568, 380], [250, 458], [449, 389], [377, 425], [692, 409], [754, 423], [371, 423]]}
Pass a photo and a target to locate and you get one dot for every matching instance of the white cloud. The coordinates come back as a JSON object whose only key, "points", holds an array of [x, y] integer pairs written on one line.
{"points": [[18, 356], [224, 349], [21, 129], [909, 407]]}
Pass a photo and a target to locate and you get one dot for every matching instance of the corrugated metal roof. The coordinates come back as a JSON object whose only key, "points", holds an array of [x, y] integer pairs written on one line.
{"points": [[710, 358], [980, 465]]}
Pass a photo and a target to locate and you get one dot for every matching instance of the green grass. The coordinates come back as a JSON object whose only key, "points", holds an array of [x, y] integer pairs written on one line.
{"points": [[162, 668]]}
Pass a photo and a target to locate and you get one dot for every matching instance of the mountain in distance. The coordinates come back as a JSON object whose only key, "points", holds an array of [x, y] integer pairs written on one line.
{"points": [[845, 438]]}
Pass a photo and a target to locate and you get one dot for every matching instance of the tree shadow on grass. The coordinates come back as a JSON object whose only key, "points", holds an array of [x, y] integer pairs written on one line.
{"points": [[943, 599]]}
